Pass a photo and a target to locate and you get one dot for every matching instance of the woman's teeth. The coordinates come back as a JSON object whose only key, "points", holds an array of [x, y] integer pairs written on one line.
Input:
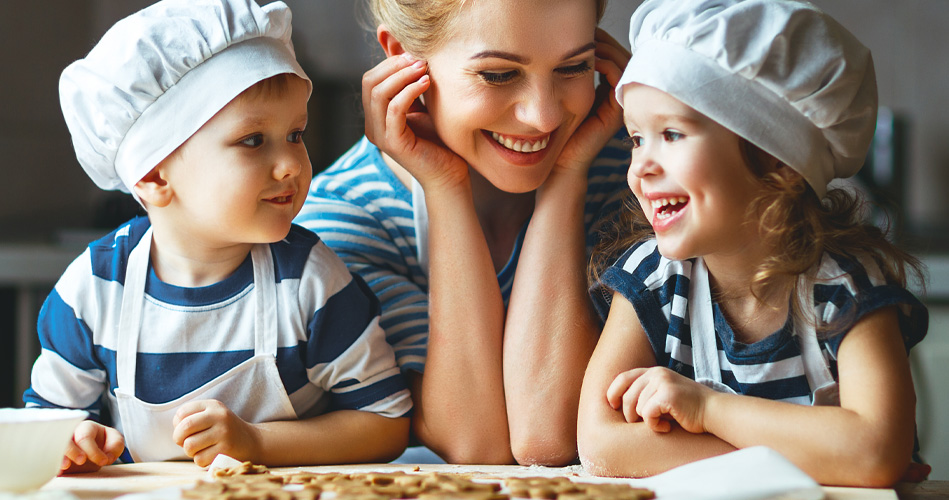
{"points": [[667, 207], [521, 146]]}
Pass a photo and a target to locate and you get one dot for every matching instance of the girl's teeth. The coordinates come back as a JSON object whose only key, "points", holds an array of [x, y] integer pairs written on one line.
{"points": [[520, 146]]}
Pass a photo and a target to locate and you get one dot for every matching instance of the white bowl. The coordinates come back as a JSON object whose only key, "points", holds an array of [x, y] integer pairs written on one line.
{"points": [[32, 444]]}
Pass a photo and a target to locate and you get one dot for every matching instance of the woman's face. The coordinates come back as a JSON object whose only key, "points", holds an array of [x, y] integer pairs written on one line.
{"points": [[511, 85]]}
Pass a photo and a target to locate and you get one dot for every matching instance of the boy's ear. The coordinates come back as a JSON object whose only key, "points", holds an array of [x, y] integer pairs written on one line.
{"points": [[153, 189], [390, 45]]}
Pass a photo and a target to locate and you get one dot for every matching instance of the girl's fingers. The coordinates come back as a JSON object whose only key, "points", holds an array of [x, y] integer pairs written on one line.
{"points": [[618, 388]]}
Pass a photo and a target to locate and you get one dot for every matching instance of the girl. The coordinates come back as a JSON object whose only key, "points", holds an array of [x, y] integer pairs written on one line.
{"points": [[751, 307]]}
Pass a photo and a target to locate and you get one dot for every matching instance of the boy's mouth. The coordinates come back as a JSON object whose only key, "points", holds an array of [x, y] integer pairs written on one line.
{"points": [[521, 145], [667, 207], [282, 199]]}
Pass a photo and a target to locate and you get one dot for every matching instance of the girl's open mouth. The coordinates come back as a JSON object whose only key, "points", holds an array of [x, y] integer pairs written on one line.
{"points": [[667, 207]]}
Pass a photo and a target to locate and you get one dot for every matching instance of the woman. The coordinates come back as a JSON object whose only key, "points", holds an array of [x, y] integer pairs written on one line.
{"points": [[481, 128]]}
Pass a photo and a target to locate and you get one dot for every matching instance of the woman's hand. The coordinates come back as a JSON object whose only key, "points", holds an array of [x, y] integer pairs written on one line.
{"points": [[606, 116], [206, 428], [93, 446], [657, 396], [401, 127]]}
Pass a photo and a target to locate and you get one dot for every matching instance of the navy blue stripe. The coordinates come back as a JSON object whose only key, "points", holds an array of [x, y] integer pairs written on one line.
{"points": [[110, 253], [359, 398], [160, 378], [62, 332], [291, 255], [202, 296], [291, 364], [338, 324]]}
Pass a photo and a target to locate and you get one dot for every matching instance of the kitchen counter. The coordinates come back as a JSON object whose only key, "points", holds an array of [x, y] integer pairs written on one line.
{"points": [[117, 480]]}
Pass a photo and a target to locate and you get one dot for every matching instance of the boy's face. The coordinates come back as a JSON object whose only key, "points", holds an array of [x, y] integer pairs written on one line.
{"points": [[243, 176]]}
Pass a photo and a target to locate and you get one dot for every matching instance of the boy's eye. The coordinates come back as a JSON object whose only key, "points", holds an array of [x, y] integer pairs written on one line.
{"points": [[495, 78], [253, 140], [574, 70], [672, 136], [296, 136]]}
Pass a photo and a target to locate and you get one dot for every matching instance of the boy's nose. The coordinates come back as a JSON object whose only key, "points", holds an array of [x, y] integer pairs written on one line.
{"points": [[288, 165]]}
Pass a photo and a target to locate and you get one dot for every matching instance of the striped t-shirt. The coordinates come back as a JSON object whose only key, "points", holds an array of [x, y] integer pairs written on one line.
{"points": [[772, 368], [366, 215], [331, 352]]}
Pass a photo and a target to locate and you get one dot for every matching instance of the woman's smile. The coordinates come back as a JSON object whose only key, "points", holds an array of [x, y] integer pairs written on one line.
{"points": [[519, 150]]}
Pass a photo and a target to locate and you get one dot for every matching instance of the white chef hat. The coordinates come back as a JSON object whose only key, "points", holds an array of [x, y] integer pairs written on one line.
{"points": [[160, 74], [779, 73]]}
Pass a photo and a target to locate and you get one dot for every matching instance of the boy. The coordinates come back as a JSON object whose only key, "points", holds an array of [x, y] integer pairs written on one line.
{"points": [[213, 325]]}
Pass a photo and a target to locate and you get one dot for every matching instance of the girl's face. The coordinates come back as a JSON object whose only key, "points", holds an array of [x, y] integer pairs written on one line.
{"points": [[689, 176], [512, 84]]}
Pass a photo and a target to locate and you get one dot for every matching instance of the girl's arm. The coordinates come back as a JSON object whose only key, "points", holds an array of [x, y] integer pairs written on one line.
{"points": [[867, 441], [551, 329], [608, 444]]}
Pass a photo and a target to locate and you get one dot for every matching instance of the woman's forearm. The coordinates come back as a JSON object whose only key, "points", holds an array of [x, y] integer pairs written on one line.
{"points": [[462, 409], [550, 330]]}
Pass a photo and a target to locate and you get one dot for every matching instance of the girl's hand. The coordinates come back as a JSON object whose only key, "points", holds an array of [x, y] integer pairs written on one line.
{"points": [[206, 428], [401, 127], [606, 116], [658, 396], [93, 446]]}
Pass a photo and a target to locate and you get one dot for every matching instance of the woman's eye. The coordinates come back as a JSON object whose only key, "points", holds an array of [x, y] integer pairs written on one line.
{"points": [[253, 141], [574, 70], [296, 136], [497, 78], [672, 136]]}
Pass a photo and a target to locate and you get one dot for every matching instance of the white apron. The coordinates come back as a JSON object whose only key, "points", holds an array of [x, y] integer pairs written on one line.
{"points": [[253, 389], [705, 351]]}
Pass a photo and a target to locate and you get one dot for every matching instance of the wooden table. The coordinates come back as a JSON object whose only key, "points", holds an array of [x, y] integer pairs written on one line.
{"points": [[117, 480]]}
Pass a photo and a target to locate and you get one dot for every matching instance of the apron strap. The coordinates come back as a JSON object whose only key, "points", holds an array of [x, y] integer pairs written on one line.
{"points": [[701, 325], [815, 366], [265, 301], [130, 319]]}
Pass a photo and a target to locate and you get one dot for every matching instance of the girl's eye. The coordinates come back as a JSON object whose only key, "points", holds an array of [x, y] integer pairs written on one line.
{"points": [[296, 136], [672, 136], [633, 142], [497, 78], [575, 70], [253, 141]]}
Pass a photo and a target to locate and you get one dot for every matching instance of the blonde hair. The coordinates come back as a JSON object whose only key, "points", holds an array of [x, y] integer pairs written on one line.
{"points": [[422, 25], [795, 222]]}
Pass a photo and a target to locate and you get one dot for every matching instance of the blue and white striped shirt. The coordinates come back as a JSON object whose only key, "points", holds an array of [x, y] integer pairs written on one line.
{"points": [[331, 352], [772, 368], [365, 214]]}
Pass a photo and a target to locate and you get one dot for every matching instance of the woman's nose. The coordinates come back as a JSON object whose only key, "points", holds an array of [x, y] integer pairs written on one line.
{"points": [[540, 107]]}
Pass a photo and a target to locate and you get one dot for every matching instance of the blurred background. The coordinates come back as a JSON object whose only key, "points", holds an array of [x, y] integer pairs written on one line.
{"points": [[49, 209]]}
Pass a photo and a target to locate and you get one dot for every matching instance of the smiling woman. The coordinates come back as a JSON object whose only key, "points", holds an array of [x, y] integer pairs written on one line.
{"points": [[488, 149]]}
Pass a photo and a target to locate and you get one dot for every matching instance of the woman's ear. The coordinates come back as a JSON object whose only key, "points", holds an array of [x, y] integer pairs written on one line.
{"points": [[153, 189], [390, 45]]}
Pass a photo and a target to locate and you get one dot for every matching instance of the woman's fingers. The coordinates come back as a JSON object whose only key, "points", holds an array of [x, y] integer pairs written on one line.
{"points": [[401, 86]]}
